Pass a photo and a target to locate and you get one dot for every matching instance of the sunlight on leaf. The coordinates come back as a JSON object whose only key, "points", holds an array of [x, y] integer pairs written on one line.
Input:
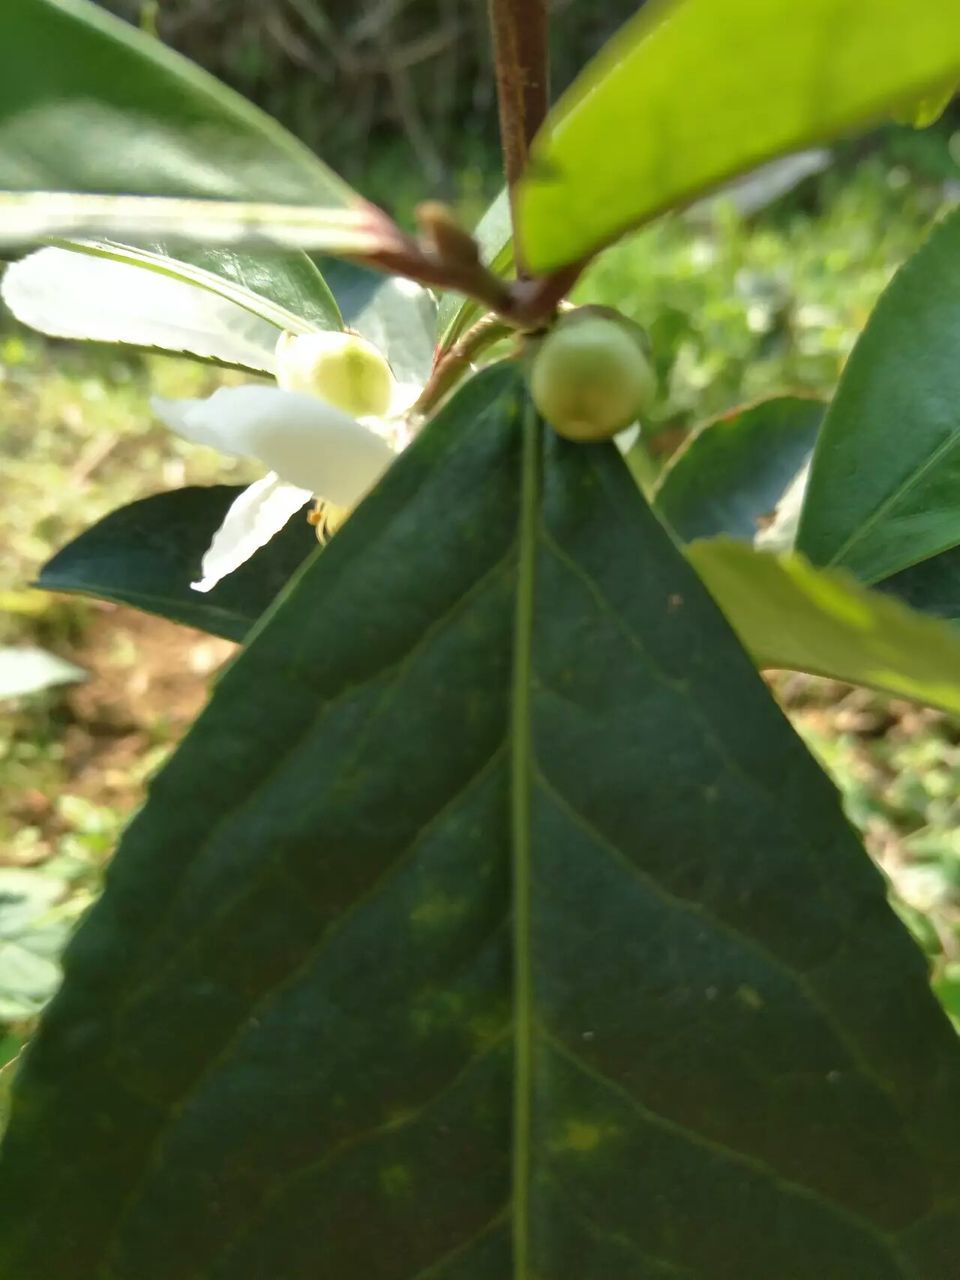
{"points": [[789, 614], [706, 90]]}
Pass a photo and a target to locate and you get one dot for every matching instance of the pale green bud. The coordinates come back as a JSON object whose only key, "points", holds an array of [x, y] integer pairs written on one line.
{"points": [[342, 369], [591, 376]]}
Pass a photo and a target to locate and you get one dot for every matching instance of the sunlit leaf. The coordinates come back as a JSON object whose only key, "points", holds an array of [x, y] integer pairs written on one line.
{"points": [[109, 293], [32, 934], [789, 614], [26, 669], [42, 215], [927, 109], [693, 92], [90, 104]]}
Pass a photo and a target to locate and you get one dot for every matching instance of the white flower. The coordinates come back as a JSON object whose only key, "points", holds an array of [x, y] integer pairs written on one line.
{"points": [[327, 431]]}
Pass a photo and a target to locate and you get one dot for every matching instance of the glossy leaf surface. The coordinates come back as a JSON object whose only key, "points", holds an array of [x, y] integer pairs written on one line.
{"points": [[290, 280], [884, 489], [147, 554], [933, 586], [731, 472], [90, 104], [490, 922], [707, 89], [789, 614]]}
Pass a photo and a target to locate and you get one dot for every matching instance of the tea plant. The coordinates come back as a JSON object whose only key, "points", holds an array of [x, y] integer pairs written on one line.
{"points": [[492, 921]]}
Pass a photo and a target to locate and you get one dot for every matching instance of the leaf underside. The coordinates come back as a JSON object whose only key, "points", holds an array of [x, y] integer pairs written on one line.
{"points": [[491, 922]]}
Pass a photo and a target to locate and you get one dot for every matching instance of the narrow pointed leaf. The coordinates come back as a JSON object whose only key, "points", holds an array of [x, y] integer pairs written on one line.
{"points": [[90, 104], [109, 293], [147, 554], [44, 215], [731, 472], [884, 489], [705, 90], [789, 614], [287, 292], [490, 922], [290, 280]]}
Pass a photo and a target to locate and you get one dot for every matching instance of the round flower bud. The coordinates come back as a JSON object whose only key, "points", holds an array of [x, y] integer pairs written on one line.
{"points": [[591, 377], [342, 369]]}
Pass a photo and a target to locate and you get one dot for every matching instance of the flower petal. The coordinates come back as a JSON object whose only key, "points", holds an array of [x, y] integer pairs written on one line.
{"points": [[306, 442], [71, 294], [261, 511]]}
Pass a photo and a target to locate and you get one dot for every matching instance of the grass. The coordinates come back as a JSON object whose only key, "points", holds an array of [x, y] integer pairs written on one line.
{"points": [[736, 309]]}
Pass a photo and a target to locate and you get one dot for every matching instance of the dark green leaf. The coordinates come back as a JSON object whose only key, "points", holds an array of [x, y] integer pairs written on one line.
{"points": [[731, 472], [291, 280], [148, 553], [693, 92], [490, 922], [884, 490], [90, 104], [933, 586]]}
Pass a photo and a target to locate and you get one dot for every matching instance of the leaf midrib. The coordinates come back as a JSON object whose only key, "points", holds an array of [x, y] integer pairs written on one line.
{"points": [[521, 779]]}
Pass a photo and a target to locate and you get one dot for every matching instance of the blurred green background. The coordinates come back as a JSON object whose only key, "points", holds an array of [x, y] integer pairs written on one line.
{"points": [[738, 307]]}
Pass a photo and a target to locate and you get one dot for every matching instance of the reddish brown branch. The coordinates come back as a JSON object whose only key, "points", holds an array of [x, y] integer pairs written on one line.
{"points": [[521, 57], [447, 257]]}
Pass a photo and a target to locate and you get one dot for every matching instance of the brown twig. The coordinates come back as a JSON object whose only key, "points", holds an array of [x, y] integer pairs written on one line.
{"points": [[521, 57], [454, 362]]}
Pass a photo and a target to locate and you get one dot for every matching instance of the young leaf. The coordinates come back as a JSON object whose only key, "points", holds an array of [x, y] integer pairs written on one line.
{"points": [[884, 488], [731, 472], [490, 922], [693, 92], [147, 554], [90, 104], [789, 614]]}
